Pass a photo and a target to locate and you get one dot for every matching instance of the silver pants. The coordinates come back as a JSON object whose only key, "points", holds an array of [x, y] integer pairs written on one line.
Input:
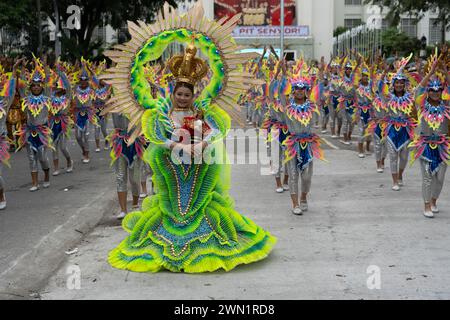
{"points": [[315, 118], [124, 173], [347, 121], [250, 109], [82, 138], [398, 160], [432, 184], [258, 117], [35, 156], [102, 122], [278, 164], [305, 175], [379, 148], [2, 181], [334, 116], [146, 172], [60, 144], [362, 130]]}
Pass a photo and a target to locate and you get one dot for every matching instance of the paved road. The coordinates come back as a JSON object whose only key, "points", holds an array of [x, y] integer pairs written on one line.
{"points": [[356, 229], [31, 219]]}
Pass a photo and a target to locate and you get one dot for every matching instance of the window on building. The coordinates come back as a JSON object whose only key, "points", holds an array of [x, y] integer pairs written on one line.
{"points": [[409, 26], [384, 24], [351, 23], [352, 2], [435, 31]]}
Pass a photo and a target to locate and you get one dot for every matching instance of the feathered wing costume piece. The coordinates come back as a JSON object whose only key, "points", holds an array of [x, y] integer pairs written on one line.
{"points": [[190, 225]]}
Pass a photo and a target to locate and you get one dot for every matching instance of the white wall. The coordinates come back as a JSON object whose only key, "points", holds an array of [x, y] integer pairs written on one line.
{"points": [[322, 28]]}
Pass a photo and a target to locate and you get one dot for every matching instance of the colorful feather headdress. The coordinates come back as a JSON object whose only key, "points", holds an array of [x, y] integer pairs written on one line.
{"points": [[84, 73], [336, 62], [401, 73], [438, 80], [38, 74]]}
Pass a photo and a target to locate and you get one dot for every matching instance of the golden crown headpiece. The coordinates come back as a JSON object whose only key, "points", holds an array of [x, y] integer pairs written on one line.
{"points": [[187, 67]]}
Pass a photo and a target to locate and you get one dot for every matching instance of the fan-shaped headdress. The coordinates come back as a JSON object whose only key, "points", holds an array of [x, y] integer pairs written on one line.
{"points": [[132, 90], [38, 74]]}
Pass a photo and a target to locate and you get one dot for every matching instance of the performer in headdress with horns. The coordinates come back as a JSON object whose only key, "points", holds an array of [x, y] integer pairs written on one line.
{"points": [[190, 223], [432, 145]]}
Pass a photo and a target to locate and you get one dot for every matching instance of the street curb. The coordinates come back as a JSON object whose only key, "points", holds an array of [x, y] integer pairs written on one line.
{"points": [[23, 280]]}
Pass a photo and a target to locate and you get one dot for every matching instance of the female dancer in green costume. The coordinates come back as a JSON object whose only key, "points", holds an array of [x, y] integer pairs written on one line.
{"points": [[190, 223]]}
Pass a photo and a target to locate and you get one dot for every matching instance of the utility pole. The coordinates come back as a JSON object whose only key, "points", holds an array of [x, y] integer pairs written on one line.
{"points": [[57, 31], [38, 2], [282, 29]]}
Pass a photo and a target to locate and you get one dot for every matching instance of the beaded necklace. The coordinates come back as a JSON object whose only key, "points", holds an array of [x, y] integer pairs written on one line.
{"points": [[301, 112], [434, 116], [404, 104], [35, 104], [84, 95], [58, 104]]}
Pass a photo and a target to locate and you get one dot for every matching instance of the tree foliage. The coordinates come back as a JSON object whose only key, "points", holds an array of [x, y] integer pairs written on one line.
{"points": [[398, 43], [22, 15], [415, 8]]}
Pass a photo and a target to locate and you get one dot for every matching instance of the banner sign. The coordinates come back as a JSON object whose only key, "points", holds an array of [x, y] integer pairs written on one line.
{"points": [[256, 12], [270, 31]]}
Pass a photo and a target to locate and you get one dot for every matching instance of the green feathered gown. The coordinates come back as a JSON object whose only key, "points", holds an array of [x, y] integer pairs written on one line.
{"points": [[190, 224]]}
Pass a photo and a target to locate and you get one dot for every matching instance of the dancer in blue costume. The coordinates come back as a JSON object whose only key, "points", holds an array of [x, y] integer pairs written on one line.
{"points": [[432, 145]]}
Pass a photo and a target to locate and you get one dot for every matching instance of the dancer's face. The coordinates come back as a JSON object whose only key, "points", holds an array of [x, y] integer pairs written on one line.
{"points": [[365, 79], [36, 88], [84, 84], [399, 86], [183, 97], [348, 71], [435, 96], [299, 93]]}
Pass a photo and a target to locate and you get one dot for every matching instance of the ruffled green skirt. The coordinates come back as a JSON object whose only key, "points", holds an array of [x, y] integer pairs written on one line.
{"points": [[190, 225]]}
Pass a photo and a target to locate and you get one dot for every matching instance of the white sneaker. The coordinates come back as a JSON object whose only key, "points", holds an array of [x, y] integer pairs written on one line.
{"points": [[34, 188], [97, 149], [86, 160], [142, 195], [334, 136], [428, 214], [70, 169], [348, 143], [3, 204], [400, 183], [121, 215], [323, 131], [434, 209], [56, 173], [361, 155], [380, 170], [285, 187], [304, 206], [279, 190], [46, 184], [297, 211], [395, 187]]}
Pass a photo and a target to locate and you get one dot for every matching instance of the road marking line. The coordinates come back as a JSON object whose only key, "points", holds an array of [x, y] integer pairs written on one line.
{"points": [[330, 144]]}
